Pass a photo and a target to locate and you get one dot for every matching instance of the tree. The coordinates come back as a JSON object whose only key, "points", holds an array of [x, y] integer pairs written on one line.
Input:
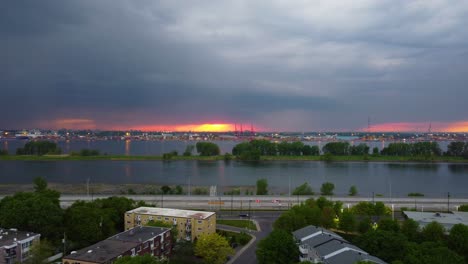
{"points": [[213, 248], [39, 148], [375, 151], [86, 223], [166, 189], [390, 225], [262, 187], [178, 190], [336, 148], [352, 191], [207, 149], [278, 247], [410, 229], [39, 252], [347, 221], [433, 232], [188, 150], [40, 184], [145, 259], [310, 150], [327, 188], [38, 212], [386, 245], [361, 149], [430, 253], [463, 208], [458, 239], [303, 189], [327, 219]]}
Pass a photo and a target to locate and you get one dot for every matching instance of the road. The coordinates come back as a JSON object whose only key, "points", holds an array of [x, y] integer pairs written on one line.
{"points": [[265, 221], [244, 203]]}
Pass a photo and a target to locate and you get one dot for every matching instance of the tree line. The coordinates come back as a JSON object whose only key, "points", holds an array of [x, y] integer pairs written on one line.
{"points": [[83, 223]]}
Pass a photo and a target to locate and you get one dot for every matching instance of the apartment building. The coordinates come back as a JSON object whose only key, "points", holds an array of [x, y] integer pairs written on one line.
{"points": [[137, 241], [190, 224], [15, 246]]}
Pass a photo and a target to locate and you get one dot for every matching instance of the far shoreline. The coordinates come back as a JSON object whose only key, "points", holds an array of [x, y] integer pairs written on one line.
{"points": [[322, 158]]}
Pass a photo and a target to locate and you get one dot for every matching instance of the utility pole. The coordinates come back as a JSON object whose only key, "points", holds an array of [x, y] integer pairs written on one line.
{"points": [[448, 202], [232, 194], [249, 208], [64, 244]]}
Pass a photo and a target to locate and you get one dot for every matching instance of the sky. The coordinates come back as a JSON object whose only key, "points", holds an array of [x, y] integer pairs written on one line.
{"points": [[276, 65]]}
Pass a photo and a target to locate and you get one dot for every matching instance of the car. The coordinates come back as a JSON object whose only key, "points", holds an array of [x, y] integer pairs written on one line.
{"points": [[244, 215]]}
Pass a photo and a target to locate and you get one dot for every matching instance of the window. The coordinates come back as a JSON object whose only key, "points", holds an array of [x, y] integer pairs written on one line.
{"points": [[159, 218], [145, 245], [133, 252], [166, 218], [199, 229], [199, 221], [138, 248]]}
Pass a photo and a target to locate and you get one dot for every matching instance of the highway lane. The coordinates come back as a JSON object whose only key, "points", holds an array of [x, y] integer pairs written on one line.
{"points": [[246, 203]]}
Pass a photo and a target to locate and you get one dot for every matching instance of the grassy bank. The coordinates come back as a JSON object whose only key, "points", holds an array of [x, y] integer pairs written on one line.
{"points": [[238, 223], [263, 158]]}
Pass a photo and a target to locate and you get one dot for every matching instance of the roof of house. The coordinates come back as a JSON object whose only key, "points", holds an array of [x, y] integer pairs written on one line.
{"points": [[310, 231], [11, 236], [102, 251], [172, 212], [334, 247], [139, 234], [321, 239], [351, 257], [117, 245]]}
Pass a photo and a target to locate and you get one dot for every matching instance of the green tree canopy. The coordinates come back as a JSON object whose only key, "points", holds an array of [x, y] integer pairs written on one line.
{"points": [[303, 189], [431, 253], [336, 148], [262, 187], [327, 188], [386, 245], [458, 239], [37, 212], [278, 247], [352, 191], [433, 232], [213, 248], [207, 149]]}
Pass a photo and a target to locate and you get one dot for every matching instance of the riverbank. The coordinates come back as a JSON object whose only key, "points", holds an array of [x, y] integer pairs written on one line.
{"points": [[350, 158]]}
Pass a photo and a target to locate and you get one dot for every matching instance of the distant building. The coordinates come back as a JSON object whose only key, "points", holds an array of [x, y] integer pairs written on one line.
{"points": [[15, 246], [190, 224], [447, 220], [319, 245], [137, 241]]}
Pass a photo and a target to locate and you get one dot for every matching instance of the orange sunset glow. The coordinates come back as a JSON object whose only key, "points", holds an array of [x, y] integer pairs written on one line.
{"points": [[188, 127], [454, 127]]}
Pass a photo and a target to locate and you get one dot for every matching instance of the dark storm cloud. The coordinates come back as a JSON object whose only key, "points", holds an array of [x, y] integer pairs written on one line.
{"points": [[278, 64]]}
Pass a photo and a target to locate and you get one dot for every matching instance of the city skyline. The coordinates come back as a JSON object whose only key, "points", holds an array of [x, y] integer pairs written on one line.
{"points": [[281, 66]]}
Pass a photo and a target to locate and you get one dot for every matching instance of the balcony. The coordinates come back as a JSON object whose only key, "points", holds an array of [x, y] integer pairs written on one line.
{"points": [[303, 249]]}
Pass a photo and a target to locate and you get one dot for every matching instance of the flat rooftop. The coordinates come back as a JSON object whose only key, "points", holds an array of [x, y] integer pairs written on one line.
{"points": [[8, 236], [139, 234], [442, 218], [103, 251], [172, 212]]}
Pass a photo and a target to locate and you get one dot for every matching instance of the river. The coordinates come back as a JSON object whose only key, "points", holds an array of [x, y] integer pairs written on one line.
{"points": [[389, 179]]}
